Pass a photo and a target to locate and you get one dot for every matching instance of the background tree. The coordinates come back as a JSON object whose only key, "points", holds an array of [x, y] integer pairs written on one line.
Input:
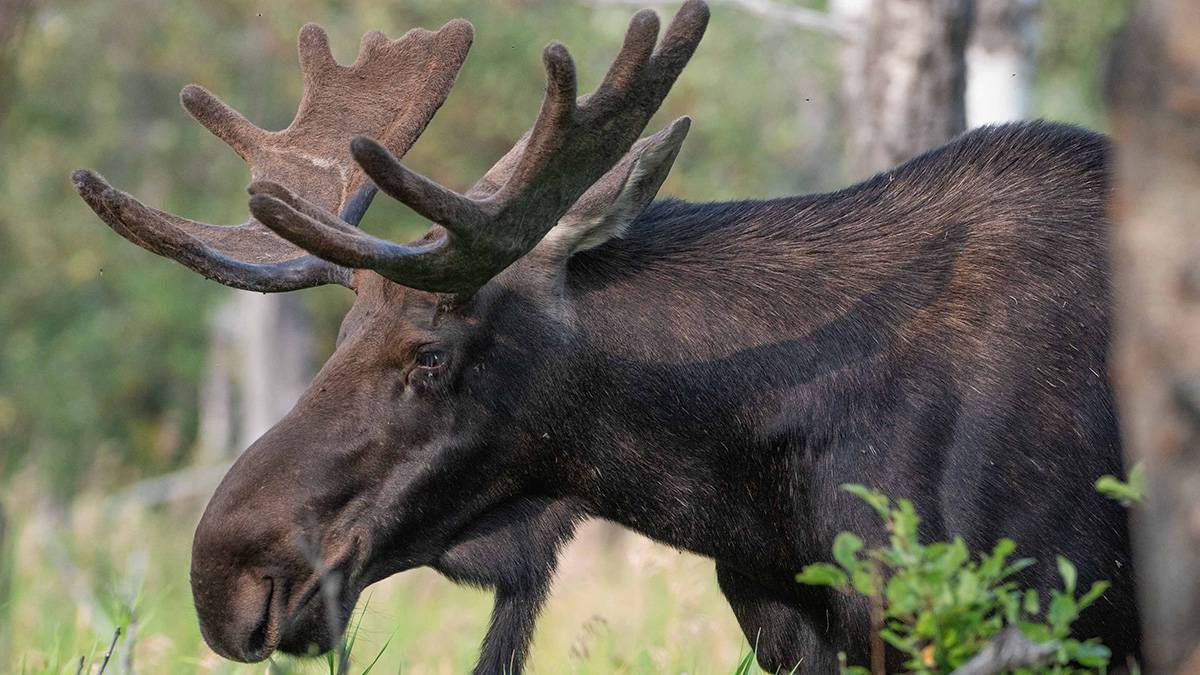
{"points": [[1156, 95], [905, 77], [1000, 62]]}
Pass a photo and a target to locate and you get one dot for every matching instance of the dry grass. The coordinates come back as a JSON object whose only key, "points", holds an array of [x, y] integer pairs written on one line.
{"points": [[621, 603]]}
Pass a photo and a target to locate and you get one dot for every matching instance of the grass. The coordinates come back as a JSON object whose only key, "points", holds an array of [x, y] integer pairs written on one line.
{"points": [[70, 578]]}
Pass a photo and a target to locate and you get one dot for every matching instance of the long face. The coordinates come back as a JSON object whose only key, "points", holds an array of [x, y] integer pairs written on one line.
{"points": [[423, 420], [404, 438]]}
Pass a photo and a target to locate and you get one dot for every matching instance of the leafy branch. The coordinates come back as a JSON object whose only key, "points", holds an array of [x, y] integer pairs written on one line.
{"points": [[943, 608]]}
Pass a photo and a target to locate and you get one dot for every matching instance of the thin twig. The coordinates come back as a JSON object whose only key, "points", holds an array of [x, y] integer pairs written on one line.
{"points": [[79, 670], [126, 656], [1007, 651], [108, 654], [803, 17], [878, 664], [330, 584]]}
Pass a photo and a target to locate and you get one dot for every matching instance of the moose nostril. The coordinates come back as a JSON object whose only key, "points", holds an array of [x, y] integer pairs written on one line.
{"points": [[260, 642], [242, 622]]}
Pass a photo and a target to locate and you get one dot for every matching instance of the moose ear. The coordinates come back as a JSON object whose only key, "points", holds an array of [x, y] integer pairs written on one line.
{"points": [[620, 196]]}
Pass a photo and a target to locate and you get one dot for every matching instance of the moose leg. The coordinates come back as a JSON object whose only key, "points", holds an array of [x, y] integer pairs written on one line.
{"points": [[783, 636], [514, 550]]}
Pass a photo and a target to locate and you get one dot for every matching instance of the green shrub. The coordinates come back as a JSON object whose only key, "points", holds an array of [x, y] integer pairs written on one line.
{"points": [[941, 606]]}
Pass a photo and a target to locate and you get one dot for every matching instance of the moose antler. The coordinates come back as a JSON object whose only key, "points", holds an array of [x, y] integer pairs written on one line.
{"points": [[391, 91], [572, 144]]}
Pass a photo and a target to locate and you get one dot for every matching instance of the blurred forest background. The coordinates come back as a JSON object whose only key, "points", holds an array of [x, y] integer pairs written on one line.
{"points": [[127, 382]]}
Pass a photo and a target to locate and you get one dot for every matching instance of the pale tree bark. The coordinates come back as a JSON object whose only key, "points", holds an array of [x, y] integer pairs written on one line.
{"points": [[276, 353], [259, 363], [218, 436], [1155, 90], [905, 79], [1000, 62]]}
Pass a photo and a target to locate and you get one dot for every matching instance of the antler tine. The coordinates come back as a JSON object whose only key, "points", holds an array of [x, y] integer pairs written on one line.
{"points": [[315, 56], [429, 199], [299, 226], [302, 205], [555, 116], [152, 230], [572, 144], [423, 263], [391, 91], [221, 120], [640, 39], [678, 45]]}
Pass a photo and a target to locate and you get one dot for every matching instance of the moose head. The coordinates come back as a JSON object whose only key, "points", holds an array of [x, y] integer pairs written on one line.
{"points": [[427, 439]]}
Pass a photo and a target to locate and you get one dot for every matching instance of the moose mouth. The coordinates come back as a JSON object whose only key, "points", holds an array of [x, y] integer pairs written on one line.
{"points": [[307, 623], [320, 611]]}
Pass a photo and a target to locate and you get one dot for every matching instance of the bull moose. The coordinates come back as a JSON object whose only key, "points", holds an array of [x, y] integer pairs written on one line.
{"points": [[561, 346]]}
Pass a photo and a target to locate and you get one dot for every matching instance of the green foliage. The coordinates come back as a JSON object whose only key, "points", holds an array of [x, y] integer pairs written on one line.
{"points": [[941, 605], [1071, 56], [1128, 493]]}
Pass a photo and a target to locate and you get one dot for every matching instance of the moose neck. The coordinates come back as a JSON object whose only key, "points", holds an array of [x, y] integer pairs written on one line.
{"points": [[717, 341]]}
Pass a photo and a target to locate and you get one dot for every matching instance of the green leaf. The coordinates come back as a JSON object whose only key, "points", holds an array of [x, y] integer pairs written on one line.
{"points": [[1068, 573], [1093, 594], [1010, 601], [1061, 614], [1031, 605], [1004, 548], [904, 644], [875, 498], [1036, 632], [902, 598], [822, 574], [863, 581], [1137, 478], [745, 666], [1017, 565], [968, 587], [845, 550], [905, 521], [926, 625], [1091, 654], [991, 565], [1129, 493]]}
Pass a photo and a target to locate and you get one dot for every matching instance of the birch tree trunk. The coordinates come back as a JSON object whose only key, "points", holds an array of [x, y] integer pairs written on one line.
{"points": [[259, 363], [1000, 62], [1155, 91], [905, 78]]}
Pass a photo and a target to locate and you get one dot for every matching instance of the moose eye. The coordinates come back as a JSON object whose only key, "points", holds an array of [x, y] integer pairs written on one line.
{"points": [[430, 359]]}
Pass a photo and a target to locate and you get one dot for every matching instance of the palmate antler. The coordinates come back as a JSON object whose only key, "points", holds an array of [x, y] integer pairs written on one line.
{"points": [[571, 146], [390, 92]]}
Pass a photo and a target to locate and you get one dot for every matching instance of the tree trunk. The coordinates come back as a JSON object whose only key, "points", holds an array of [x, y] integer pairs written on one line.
{"points": [[259, 363], [1000, 62], [275, 350], [905, 78], [1155, 90]]}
